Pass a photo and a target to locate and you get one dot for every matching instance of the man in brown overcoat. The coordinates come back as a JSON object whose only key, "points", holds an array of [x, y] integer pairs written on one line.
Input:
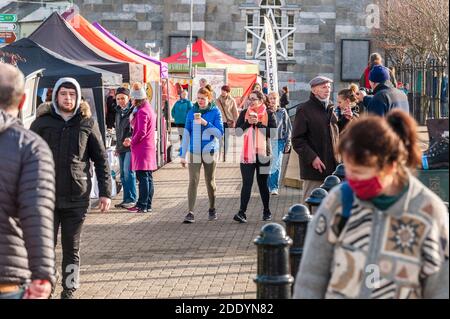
{"points": [[315, 136]]}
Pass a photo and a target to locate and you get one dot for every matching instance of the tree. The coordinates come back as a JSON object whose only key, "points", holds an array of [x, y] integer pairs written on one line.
{"points": [[414, 30]]}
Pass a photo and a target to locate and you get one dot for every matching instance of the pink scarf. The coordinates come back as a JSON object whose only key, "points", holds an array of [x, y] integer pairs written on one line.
{"points": [[255, 139]]}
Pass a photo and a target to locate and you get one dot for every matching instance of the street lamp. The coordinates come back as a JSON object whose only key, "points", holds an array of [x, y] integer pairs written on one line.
{"points": [[190, 40]]}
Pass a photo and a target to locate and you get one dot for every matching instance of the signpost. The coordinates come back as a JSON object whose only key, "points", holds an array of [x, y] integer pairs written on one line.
{"points": [[8, 18], [7, 37], [8, 26]]}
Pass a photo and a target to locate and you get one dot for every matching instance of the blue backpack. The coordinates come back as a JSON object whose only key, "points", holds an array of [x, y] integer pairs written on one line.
{"points": [[347, 203]]}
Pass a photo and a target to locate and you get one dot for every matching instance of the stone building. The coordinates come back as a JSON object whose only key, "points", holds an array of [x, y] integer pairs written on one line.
{"points": [[311, 33]]}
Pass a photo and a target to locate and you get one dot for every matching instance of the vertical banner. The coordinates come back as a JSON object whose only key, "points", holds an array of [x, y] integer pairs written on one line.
{"points": [[271, 57]]}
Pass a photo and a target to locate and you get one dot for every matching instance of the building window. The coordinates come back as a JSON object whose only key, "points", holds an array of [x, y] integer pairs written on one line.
{"points": [[283, 24], [290, 44], [249, 46]]}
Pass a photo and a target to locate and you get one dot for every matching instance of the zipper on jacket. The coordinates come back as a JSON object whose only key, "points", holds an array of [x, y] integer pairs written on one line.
{"points": [[374, 249]]}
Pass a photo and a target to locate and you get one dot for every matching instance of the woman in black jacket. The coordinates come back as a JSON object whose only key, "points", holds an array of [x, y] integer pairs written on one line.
{"points": [[284, 99], [255, 124]]}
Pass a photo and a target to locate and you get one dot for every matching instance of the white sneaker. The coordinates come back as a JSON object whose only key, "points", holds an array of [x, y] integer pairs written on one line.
{"points": [[274, 192]]}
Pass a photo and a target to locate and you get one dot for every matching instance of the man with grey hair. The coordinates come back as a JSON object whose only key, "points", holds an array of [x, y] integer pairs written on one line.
{"points": [[27, 197], [315, 135]]}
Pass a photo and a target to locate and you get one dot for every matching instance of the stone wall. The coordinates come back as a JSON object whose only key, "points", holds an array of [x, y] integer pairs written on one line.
{"points": [[321, 24]]}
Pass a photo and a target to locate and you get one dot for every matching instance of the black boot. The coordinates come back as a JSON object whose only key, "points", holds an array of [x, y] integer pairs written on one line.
{"points": [[267, 215], [240, 217], [68, 294]]}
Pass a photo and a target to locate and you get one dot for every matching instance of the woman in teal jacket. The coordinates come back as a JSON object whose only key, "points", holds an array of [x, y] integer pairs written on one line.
{"points": [[180, 110]]}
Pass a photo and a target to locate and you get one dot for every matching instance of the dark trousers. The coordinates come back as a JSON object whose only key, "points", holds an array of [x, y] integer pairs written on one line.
{"points": [[146, 189], [225, 141], [248, 172], [180, 128], [71, 222]]}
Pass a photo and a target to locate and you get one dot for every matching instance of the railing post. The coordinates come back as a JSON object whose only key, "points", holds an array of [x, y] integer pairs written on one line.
{"points": [[315, 199], [297, 220], [273, 280], [330, 182], [340, 172]]}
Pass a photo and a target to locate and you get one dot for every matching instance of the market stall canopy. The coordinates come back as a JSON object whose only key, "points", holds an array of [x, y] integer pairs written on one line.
{"points": [[205, 55], [105, 44], [163, 65], [58, 36], [29, 56]]}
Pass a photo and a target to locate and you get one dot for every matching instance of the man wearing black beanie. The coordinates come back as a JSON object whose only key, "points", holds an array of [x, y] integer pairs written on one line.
{"points": [[385, 96]]}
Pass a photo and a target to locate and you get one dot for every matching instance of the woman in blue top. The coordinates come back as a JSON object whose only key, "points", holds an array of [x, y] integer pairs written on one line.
{"points": [[203, 131], [180, 110]]}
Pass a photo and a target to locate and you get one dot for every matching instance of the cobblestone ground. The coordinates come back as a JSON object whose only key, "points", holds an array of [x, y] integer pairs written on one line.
{"points": [[126, 255]]}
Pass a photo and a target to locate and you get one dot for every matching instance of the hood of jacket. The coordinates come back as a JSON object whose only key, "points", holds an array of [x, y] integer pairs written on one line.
{"points": [[6, 121], [55, 90], [48, 108]]}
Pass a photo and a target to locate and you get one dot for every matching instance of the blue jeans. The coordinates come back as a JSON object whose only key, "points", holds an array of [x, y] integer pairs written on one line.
{"points": [[14, 295], [146, 189], [128, 178], [275, 166]]}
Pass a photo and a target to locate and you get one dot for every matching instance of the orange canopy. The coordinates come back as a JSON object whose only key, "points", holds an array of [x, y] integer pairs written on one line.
{"points": [[205, 55], [103, 43]]}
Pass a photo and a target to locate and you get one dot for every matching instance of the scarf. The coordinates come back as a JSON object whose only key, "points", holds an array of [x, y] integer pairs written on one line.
{"points": [[197, 108], [255, 139]]}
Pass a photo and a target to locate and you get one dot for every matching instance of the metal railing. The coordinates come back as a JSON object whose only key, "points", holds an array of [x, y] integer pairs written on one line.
{"points": [[426, 84]]}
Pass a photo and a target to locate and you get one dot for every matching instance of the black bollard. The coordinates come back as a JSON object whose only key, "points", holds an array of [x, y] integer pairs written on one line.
{"points": [[315, 199], [273, 280], [340, 172], [330, 182], [297, 221]]}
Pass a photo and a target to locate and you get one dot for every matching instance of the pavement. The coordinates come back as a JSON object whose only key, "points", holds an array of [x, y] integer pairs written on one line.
{"points": [[127, 255]]}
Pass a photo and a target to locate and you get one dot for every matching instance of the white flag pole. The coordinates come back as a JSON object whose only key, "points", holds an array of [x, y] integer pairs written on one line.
{"points": [[271, 57]]}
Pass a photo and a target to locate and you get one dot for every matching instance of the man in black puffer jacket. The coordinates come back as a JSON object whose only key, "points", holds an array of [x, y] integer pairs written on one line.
{"points": [[74, 138], [27, 199]]}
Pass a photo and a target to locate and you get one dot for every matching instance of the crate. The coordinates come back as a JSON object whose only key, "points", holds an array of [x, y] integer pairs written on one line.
{"points": [[436, 180]]}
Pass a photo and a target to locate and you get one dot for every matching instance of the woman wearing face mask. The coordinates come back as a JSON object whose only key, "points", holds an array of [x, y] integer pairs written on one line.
{"points": [[281, 142], [255, 124], [383, 234], [200, 146]]}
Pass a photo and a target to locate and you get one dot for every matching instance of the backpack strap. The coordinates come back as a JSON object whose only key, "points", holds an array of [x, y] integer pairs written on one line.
{"points": [[347, 203]]}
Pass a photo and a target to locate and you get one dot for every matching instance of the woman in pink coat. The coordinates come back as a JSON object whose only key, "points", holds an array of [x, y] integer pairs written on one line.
{"points": [[143, 148]]}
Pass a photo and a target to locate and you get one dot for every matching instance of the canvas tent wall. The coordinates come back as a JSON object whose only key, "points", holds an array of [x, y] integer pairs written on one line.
{"points": [[241, 74], [28, 56], [164, 68], [103, 43], [58, 36]]}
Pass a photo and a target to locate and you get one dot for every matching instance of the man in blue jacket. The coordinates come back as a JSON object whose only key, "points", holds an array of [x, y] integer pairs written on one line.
{"points": [[385, 97]]}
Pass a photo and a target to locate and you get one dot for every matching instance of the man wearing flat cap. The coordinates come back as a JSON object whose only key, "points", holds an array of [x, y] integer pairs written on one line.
{"points": [[315, 136]]}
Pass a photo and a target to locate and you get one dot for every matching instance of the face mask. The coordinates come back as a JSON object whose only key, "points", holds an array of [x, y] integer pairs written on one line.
{"points": [[366, 189]]}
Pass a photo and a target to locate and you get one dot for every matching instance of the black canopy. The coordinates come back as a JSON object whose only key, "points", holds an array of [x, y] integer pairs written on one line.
{"points": [[28, 56], [56, 35]]}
